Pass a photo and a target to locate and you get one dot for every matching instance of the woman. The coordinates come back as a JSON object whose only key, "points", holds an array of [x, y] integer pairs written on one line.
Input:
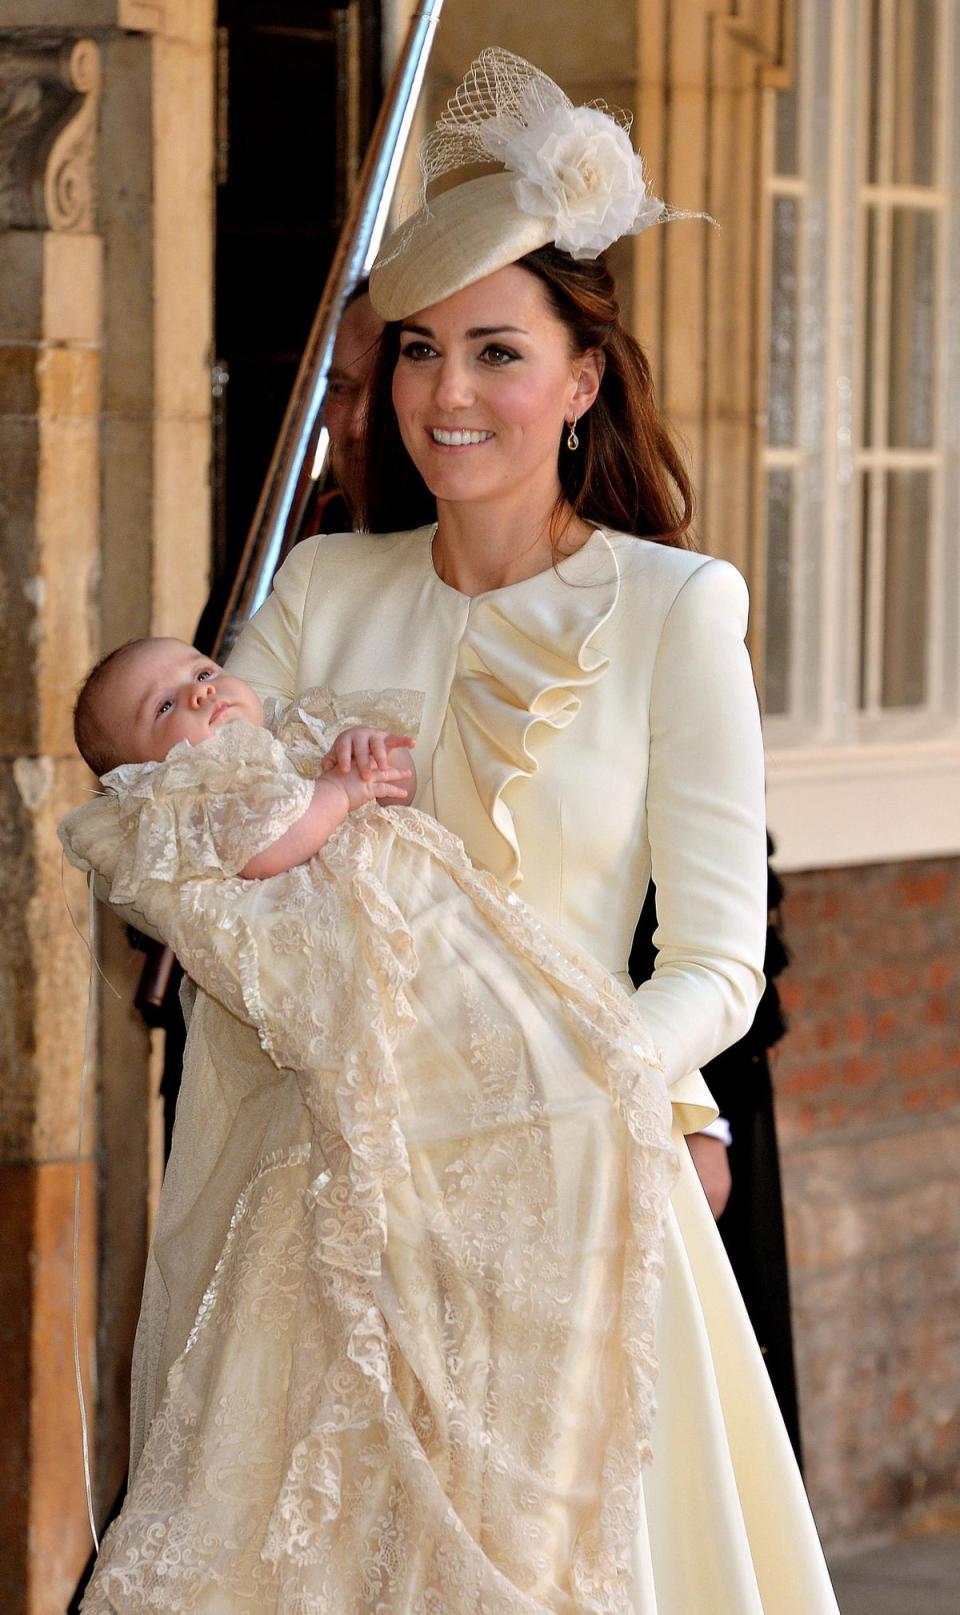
{"points": [[590, 712]]}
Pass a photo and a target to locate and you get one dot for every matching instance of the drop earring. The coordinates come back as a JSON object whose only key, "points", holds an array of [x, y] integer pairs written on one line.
{"points": [[573, 442]]}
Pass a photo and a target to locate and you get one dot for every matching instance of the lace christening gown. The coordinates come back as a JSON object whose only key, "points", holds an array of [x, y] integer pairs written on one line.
{"points": [[428, 1248]]}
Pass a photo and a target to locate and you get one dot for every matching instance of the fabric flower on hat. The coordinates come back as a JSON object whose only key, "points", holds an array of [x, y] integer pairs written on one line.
{"points": [[569, 176], [575, 166]]}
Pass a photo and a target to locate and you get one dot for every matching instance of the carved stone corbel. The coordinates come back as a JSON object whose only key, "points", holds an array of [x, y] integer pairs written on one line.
{"points": [[49, 102]]}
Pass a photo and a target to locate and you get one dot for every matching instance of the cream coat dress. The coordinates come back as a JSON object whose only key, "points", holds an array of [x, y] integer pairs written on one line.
{"points": [[581, 729]]}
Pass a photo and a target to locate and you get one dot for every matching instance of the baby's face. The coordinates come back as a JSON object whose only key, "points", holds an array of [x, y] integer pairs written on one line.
{"points": [[165, 691]]}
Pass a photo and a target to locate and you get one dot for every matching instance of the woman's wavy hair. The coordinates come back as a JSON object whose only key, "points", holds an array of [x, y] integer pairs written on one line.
{"points": [[627, 475]]}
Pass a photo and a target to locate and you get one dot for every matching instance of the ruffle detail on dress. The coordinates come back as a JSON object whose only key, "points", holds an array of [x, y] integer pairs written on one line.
{"points": [[309, 725], [205, 810], [524, 659]]}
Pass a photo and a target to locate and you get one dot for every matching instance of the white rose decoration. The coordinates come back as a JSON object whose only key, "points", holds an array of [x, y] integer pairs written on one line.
{"points": [[576, 167]]}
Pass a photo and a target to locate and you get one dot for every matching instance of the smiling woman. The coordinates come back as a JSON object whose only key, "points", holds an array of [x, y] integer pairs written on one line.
{"points": [[590, 715], [539, 342], [485, 385]]}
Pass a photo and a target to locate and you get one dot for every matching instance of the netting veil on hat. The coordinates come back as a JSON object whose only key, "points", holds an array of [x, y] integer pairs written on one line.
{"points": [[571, 177]]}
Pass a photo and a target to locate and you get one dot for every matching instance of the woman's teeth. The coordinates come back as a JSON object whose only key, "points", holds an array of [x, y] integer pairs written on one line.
{"points": [[457, 440]]}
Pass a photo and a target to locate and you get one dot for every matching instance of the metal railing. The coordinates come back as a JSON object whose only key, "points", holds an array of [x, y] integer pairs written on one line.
{"points": [[286, 492]]}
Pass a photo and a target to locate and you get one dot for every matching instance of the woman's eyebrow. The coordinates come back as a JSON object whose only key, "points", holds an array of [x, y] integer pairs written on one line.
{"points": [[495, 330], [474, 332]]}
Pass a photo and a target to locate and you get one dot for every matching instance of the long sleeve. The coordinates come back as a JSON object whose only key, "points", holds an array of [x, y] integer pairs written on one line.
{"points": [[267, 654], [706, 825]]}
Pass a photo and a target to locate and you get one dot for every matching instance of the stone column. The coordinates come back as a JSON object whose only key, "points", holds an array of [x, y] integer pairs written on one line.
{"points": [[50, 363], [106, 226], [156, 211]]}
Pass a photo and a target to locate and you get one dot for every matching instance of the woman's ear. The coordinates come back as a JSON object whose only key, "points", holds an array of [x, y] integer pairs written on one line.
{"points": [[589, 374]]}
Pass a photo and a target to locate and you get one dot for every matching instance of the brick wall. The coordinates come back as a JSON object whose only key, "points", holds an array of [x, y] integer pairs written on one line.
{"points": [[868, 1112]]}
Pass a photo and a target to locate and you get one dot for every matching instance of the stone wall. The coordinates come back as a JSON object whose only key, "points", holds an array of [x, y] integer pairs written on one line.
{"points": [[50, 369], [868, 1112]]}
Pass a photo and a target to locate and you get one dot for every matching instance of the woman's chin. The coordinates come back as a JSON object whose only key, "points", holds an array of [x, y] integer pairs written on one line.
{"points": [[457, 483]]}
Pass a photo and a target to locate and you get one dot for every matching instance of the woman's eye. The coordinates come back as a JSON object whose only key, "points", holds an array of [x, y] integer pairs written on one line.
{"points": [[417, 350], [494, 354]]}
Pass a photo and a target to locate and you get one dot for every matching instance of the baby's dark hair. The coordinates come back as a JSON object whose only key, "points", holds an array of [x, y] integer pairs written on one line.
{"points": [[95, 745]]}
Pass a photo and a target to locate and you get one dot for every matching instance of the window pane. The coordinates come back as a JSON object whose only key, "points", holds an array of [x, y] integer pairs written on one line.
{"points": [[866, 486], [778, 614], [785, 139], [869, 316], [906, 603], [911, 329], [874, 92], [783, 323], [914, 99]]}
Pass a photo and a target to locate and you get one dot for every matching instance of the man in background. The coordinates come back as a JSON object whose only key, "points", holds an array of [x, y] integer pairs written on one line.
{"points": [[344, 414]]}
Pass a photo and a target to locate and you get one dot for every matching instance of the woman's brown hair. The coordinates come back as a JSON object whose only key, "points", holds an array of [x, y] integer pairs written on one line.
{"points": [[627, 475]]}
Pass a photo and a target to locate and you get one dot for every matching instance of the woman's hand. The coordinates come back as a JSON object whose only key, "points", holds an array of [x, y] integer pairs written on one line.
{"points": [[713, 1169]]}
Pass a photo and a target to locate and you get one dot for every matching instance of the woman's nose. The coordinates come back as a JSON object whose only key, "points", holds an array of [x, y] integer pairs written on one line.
{"points": [[453, 387]]}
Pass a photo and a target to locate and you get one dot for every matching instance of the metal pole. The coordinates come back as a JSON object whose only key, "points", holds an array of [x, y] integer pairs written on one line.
{"points": [[287, 486]]}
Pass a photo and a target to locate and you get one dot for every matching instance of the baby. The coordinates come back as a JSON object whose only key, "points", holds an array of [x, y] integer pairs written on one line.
{"points": [[417, 1266], [148, 696]]}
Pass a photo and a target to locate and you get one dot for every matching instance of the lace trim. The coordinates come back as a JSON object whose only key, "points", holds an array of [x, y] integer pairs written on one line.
{"points": [[204, 811], [308, 726], [276, 1161]]}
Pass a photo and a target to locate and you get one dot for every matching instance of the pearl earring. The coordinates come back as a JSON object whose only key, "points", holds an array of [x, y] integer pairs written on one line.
{"points": [[573, 442]]}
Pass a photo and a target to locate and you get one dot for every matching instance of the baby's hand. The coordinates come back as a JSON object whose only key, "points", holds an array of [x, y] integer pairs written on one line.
{"points": [[366, 750], [380, 784]]}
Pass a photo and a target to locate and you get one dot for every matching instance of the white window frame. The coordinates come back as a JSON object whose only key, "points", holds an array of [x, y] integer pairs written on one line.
{"points": [[845, 785]]}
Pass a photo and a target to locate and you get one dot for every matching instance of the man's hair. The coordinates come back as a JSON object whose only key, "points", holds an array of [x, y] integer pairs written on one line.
{"points": [[96, 746]]}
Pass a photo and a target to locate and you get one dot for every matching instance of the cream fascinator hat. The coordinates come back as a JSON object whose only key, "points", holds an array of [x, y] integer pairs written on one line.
{"points": [[570, 176]]}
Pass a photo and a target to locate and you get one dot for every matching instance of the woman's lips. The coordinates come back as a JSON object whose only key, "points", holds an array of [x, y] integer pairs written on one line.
{"points": [[458, 437]]}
